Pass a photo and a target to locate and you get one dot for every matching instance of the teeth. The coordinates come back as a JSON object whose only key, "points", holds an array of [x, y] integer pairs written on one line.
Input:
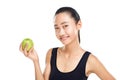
{"points": [[64, 38]]}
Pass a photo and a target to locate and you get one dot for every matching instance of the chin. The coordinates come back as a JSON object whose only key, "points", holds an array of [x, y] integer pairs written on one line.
{"points": [[65, 42]]}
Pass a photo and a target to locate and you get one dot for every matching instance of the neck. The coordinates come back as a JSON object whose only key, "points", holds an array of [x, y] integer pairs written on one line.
{"points": [[72, 47]]}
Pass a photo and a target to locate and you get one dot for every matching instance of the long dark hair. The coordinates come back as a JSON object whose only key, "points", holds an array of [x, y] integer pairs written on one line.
{"points": [[73, 14]]}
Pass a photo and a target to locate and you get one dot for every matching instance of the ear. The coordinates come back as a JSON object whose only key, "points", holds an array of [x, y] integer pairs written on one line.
{"points": [[79, 24]]}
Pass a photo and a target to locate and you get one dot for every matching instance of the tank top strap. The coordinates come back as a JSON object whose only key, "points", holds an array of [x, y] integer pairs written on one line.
{"points": [[53, 57], [82, 64]]}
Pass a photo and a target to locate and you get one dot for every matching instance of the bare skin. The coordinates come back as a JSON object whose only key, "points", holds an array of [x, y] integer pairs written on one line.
{"points": [[70, 54]]}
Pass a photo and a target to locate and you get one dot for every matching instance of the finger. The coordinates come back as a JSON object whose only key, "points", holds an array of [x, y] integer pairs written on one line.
{"points": [[20, 47], [30, 51], [25, 50]]}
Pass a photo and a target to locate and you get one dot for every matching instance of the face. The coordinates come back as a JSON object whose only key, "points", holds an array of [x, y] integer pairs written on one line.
{"points": [[66, 28]]}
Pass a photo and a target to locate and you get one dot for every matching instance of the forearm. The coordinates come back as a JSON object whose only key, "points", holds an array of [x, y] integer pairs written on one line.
{"points": [[38, 72]]}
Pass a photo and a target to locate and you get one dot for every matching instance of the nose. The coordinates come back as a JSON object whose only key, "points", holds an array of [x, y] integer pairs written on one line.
{"points": [[61, 32]]}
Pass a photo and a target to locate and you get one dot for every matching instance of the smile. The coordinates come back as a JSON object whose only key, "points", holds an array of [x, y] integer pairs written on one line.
{"points": [[64, 38]]}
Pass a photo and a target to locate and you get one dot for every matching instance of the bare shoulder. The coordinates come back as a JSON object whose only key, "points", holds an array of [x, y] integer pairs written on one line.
{"points": [[94, 65], [47, 67], [93, 59], [48, 55]]}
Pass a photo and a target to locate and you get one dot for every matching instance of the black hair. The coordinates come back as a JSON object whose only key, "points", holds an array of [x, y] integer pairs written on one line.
{"points": [[73, 14]]}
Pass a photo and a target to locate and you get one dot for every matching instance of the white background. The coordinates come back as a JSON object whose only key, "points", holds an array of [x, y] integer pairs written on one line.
{"points": [[100, 33]]}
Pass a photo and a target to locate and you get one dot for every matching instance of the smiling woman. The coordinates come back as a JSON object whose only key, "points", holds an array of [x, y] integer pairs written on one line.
{"points": [[67, 25], [71, 61], [73, 14]]}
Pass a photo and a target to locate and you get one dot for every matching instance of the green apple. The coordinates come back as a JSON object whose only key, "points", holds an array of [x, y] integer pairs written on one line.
{"points": [[28, 42]]}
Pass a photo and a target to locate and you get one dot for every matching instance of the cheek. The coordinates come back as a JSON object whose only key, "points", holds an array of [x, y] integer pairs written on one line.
{"points": [[56, 34], [72, 31]]}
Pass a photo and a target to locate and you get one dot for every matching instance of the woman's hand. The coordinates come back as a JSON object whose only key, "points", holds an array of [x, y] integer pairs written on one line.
{"points": [[31, 54]]}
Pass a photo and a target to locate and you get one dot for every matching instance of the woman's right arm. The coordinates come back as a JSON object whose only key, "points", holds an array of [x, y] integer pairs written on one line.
{"points": [[32, 54], [48, 67]]}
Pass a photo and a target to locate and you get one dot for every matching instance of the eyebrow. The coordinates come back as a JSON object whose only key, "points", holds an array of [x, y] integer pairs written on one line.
{"points": [[61, 23]]}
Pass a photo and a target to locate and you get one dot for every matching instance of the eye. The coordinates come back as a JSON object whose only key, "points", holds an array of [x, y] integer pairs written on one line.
{"points": [[56, 28], [65, 26]]}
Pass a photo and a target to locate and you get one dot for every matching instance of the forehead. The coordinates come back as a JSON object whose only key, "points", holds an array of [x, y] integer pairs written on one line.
{"points": [[63, 18]]}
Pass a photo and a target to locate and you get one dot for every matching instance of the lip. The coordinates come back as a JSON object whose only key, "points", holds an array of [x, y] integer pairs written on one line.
{"points": [[63, 38]]}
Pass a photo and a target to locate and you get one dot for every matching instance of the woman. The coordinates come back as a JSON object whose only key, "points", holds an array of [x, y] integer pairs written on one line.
{"points": [[69, 62]]}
